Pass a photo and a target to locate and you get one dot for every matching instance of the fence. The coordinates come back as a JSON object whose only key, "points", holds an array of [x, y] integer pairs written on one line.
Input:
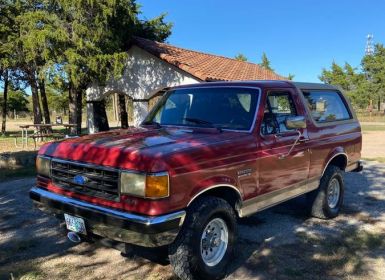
{"points": [[374, 116]]}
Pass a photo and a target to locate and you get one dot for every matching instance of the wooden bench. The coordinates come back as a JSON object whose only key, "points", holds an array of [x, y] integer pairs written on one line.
{"points": [[38, 136], [15, 137]]}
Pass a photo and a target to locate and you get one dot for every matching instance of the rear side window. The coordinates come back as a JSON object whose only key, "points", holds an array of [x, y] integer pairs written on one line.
{"points": [[327, 106]]}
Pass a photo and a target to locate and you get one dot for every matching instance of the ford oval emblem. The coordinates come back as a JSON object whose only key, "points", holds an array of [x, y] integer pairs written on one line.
{"points": [[80, 180]]}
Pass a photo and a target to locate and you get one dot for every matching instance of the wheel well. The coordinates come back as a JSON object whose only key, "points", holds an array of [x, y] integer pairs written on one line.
{"points": [[229, 194], [339, 161]]}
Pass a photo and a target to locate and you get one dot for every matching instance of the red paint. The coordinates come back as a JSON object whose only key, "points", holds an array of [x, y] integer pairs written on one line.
{"points": [[202, 158]]}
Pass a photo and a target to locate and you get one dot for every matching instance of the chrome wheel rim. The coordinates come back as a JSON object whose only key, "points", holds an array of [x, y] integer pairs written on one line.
{"points": [[333, 193], [214, 241]]}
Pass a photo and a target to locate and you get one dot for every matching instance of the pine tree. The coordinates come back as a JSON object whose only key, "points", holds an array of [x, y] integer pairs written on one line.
{"points": [[240, 57], [265, 62], [290, 77]]}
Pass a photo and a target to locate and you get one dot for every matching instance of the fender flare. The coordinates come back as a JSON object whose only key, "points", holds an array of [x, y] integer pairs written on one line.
{"points": [[334, 155], [232, 187]]}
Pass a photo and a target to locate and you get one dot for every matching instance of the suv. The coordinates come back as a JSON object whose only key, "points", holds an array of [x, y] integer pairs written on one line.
{"points": [[205, 155]]}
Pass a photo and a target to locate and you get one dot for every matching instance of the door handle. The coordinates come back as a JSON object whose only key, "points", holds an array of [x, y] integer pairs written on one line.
{"points": [[298, 139], [303, 139]]}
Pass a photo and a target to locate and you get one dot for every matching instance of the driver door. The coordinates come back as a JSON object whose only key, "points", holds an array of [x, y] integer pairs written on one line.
{"points": [[281, 174]]}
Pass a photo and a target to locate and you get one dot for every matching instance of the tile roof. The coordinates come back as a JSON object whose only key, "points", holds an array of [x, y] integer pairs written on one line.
{"points": [[207, 67]]}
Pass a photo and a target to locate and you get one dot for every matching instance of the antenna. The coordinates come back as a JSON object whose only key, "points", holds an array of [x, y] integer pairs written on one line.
{"points": [[369, 49]]}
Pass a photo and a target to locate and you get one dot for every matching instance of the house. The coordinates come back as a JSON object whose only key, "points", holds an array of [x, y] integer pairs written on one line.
{"points": [[152, 67]]}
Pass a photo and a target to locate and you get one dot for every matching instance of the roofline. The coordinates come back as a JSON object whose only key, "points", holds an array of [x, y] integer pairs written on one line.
{"points": [[184, 67]]}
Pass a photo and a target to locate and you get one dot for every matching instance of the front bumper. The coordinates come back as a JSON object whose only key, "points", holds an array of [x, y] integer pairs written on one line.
{"points": [[148, 231]]}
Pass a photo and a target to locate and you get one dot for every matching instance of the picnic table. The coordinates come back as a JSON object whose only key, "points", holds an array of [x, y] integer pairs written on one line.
{"points": [[42, 131]]}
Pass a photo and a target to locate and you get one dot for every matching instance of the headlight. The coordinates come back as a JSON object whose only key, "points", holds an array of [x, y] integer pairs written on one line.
{"points": [[43, 166], [144, 185]]}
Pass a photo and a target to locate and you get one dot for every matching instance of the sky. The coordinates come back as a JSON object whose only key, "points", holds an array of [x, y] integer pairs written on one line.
{"points": [[300, 37]]}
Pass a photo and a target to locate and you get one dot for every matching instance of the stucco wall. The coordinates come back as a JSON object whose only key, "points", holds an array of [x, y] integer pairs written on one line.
{"points": [[145, 75]]}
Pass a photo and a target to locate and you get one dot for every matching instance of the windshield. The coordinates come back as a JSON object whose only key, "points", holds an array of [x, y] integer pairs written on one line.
{"points": [[224, 108]]}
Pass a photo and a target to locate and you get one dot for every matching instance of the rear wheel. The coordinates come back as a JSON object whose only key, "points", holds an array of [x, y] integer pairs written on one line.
{"points": [[205, 243], [326, 201]]}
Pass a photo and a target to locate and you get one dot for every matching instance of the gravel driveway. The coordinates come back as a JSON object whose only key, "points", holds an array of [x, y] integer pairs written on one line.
{"points": [[279, 243]]}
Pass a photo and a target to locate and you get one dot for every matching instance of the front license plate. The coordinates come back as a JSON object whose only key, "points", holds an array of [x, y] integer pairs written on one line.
{"points": [[75, 224]]}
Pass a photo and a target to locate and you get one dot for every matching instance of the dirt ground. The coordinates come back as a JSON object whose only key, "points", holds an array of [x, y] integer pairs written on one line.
{"points": [[279, 243], [373, 144]]}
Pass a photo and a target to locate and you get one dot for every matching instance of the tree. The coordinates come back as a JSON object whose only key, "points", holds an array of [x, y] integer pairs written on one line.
{"points": [[290, 77], [7, 36], [57, 99], [352, 81], [336, 76], [4, 102], [76, 42], [17, 100], [374, 69], [265, 62], [365, 85], [99, 33], [41, 39], [240, 57]]}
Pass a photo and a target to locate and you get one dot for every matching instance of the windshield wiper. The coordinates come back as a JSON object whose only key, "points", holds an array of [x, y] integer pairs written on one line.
{"points": [[154, 123], [200, 121]]}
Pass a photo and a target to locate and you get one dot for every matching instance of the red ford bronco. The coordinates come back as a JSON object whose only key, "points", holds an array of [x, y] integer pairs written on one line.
{"points": [[205, 155]]}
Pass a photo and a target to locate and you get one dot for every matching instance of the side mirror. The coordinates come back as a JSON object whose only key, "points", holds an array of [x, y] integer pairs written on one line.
{"points": [[295, 122]]}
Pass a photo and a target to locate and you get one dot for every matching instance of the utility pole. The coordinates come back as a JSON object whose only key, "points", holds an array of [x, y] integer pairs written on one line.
{"points": [[369, 50]]}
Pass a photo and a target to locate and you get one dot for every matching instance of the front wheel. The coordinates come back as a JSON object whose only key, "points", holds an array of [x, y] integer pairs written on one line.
{"points": [[326, 201], [205, 243]]}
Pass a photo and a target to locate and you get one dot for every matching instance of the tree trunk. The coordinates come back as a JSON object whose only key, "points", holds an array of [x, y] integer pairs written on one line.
{"points": [[35, 102], [79, 108], [72, 107], [44, 101], [123, 111], [75, 109], [4, 105], [379, 104]]}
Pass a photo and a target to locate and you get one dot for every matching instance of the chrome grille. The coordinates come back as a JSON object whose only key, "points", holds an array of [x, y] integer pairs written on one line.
{"points": [[100, 182]]}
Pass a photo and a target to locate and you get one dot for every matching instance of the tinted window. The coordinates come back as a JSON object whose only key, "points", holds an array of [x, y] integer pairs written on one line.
{"points": [[279, 106], [327, 106], [227, 108]]}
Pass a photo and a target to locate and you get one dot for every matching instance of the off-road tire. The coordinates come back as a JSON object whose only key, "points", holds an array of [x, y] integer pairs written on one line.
{"points": [[184, 254], [317, 199]]}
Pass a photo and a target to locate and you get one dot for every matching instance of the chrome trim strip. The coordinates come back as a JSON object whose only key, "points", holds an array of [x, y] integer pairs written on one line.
{"points": [[327, 164], [213, 187], [141, 219], [91, 165], [273, 198]]}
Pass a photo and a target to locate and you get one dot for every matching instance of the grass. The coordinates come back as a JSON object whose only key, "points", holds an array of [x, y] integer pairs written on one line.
{"points": [[23, 272], [378, 159], [14, 173], [372, 128], [367, 117], [338, 254]]}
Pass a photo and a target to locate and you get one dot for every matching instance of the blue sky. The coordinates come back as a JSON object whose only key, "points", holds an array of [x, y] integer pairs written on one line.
{"points": [[299, 36]]}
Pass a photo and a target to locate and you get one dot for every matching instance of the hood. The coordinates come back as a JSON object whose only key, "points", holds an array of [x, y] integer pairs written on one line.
{"points": [[135, 148]]}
